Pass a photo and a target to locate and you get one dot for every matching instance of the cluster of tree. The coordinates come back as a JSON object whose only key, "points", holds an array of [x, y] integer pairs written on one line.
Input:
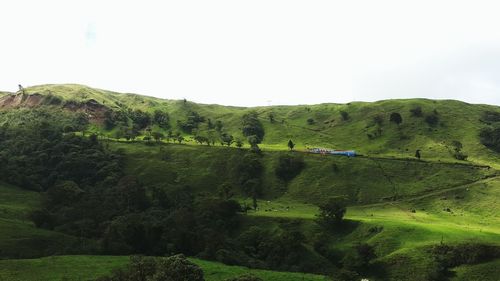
{"points": [[490, 117], [192, 122], [331, 213], [128, 220], [211, 137], [355, 261], [289, 166], [253, 129], [457, 151], [490, 136], [136, 120], [281, 250], [250, 172], [130, 124], [396, 118], [376, 126], [115, 118], [161, 118], [174, 268], [202, 139], [432, 119], [378, 121], [38, 155], [447, 256], [226, 139], [86, 194]]}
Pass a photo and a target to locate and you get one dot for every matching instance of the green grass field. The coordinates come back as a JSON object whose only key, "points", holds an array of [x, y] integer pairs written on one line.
{"points": [[19, 238], [76, 268], [397, 204]]}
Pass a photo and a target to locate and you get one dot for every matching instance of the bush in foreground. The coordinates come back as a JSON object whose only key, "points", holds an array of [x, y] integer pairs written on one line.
{"points": [[174, 268]]}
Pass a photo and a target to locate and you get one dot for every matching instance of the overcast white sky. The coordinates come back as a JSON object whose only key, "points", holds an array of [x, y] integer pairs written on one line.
{"points": [[257, 52]]}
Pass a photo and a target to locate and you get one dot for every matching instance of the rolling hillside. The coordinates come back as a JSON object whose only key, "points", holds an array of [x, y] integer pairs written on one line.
{"points": [[403, 208], [367, 128]]}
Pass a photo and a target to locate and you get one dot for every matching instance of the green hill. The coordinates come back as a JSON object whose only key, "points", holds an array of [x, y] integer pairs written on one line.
{"points": [[403, 208], [367, 128]]}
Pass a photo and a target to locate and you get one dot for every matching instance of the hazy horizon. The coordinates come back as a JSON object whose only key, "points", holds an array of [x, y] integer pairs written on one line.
{"points": [[257, 53]]}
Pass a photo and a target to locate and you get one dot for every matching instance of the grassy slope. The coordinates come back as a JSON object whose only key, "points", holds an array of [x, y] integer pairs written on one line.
{"points": [[362, 180], [458, 121], [426, 187], [429, 188], [88, 267], [18, 237], [480, 272]]}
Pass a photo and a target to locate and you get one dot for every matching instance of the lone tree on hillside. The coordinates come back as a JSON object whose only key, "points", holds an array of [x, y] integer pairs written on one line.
{"points": [[490, 137], [227, 139], [344, 115], [162, 119], [432, 119], [396, 118], [254, 143], [378, 119], [271, 117], [291, 145], [331, 212], [417, 154], [457, 151], [157, 136], [252, 126], [416, 111], [239, 143]]}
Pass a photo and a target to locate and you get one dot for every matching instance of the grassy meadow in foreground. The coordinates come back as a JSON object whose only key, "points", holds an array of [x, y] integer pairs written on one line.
{"points": [[89, 267]]}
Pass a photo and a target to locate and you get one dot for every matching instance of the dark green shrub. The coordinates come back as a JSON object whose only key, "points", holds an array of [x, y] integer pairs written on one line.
{"points": [[396, 118], [162, 119], [174, 268], [416, 111], [432, 119], [245, 277], [490, 137], [252, 126], [331, 213], [378, 119], [289, 166], [490, 117], [344, 115]]}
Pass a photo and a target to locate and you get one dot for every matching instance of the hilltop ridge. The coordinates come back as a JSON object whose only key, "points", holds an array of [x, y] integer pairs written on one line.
{"points": [[429, 125]]}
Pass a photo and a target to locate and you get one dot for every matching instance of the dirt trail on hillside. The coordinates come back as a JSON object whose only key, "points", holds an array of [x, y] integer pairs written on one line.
{"points": [[433, 193]]}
